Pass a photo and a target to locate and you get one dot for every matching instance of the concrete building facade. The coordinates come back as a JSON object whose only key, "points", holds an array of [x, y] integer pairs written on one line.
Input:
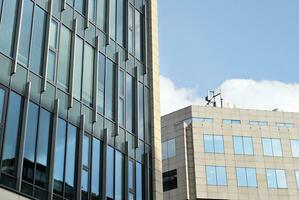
{"points": [[79, 100], [224, 153]]}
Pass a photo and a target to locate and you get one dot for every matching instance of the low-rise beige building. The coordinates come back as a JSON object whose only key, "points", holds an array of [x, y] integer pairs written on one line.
{"points": [[224, 153]]}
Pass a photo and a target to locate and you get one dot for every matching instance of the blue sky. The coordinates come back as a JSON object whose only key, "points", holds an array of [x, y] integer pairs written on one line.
{"points": [[205, 42]]}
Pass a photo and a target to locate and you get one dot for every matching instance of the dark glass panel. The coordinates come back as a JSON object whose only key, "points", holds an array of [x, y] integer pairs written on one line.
{"points": [[30, 143], [110, 172], [59, 156], [96, 168], [25, 32], [119, 176], [12, 131], [120, 22], [70, 161], [147, 115], [139, 182], [110, 90], [101, 82], [38, 40], [44, 131], [7, 28]]}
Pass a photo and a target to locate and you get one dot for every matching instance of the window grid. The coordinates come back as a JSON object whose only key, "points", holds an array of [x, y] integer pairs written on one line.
{"points": [[243, 145], [213, 144], [276, 178], [272, 147], [246, 177], [216, 175]]}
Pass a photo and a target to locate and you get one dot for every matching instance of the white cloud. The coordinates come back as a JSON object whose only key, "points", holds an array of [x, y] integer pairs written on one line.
{"points": [[243, 93], [174, 98]]}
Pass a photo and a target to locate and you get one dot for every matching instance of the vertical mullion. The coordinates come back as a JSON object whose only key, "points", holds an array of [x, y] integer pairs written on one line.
{"points": [[107, 22], [116, 96], [144, 36], [22, 136], [1, 10], [86, 13], [127, 29], [95, 79], [126, 183], [72, 65], [104, 179], [46, 49], [79, 163], [136, 107], [52, 157], [17, 37], [146, 177], [63, 5]]}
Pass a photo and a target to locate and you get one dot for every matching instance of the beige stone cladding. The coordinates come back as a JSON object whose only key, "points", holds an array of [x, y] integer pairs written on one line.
{"points": [[191, 159]]}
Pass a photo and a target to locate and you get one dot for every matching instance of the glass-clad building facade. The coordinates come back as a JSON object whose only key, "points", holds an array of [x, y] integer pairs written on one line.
{"points": [[76, 104]]}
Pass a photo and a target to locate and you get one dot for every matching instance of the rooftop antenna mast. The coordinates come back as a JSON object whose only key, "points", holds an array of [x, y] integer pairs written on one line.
{"points": [[211, 98]]}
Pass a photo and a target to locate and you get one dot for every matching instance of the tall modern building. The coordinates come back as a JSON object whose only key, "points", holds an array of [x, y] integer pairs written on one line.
{"points": [[223, 153], [79, 100]]}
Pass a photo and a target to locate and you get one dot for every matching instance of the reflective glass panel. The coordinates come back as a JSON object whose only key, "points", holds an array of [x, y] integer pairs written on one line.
{"points": [[59, 156], [241, 177], [7, 28], [297, 179], [267, 147], [251, 177], [276, 146], [78, 68], [139, 182], [38, 40], [138, 36], [70, 160], [208, 143], [85, 151], [101, 82], [140, 112], [221, 176], [130, 104], [30, 142], [238, 145], [110, 173], [96, 168], [101, 13], [281, 179], [119, 176], [120, 22], [44, 131], [218, 144], [110, 90], [211, 175], [26, 24], [112, 18], [247, 144], [2, 99], [12, 131], [271, 178], [87, 88], [64, 57]]}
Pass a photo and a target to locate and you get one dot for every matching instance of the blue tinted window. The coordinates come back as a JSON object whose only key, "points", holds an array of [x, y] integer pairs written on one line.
{"points": [[246, 177], [295, 148], [272, 147], [276, 178], [78, 68], [25, 32], [139, 182], [12, 130], [84, 184], [216, 175], [96, 168], [211, 175], [38, 35], [59, 155], [213, 144], [119, 176], [70, 160], [110, 172], [243, 145], [221, 176], [7, 28]]}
